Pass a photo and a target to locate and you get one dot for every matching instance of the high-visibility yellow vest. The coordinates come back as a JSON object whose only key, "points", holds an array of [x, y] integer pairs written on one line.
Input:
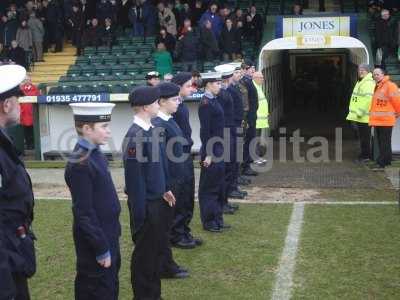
{"points": [[262, 111], [361, 98]]}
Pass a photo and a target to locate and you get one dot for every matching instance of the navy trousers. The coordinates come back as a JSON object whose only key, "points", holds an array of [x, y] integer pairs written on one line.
{"points": [[212, 194]]}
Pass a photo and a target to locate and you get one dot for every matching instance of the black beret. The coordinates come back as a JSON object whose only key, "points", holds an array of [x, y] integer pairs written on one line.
{"points": [[181, 78], [168, 89], [144, 95]]}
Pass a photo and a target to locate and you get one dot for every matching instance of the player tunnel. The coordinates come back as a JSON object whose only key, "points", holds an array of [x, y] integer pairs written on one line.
{"points": [[309, 82]]}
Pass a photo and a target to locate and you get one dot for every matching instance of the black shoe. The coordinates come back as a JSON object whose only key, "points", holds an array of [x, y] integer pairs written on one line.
{"points": [[228, 210], [182, 269], [184, 244], [214, 229], [249, 172], [175, 275], [236, 195]]}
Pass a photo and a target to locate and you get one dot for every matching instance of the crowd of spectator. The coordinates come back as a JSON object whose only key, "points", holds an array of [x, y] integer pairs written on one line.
{"points": [[190, 30]]}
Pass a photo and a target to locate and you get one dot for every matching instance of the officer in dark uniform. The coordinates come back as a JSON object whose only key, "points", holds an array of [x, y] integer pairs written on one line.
{"points": [[181, 236], [226, 102], [251, 117], [146, 175], [152, 78], [173, 138], [95, 206], [17, 252], [238, 113], [212, 175]]}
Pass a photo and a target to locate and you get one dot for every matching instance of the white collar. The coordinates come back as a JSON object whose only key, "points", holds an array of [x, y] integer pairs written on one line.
{"points": [[138, 121], [163, 115]]}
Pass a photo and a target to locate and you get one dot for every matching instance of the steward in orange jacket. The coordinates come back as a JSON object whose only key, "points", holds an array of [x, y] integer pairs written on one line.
{"points": [[385, 103], [385, 107]]}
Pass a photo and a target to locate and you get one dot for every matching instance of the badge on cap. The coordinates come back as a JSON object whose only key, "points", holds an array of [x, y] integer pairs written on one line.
{"points": [[92, 112]]}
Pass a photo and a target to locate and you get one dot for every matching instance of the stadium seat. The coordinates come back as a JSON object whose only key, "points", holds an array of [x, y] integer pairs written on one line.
{"points": [[89, 51], [120, 68]]}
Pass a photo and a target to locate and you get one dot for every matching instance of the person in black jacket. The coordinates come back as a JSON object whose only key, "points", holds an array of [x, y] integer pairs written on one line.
{"points": [[167, 39], [108, 34], [229, 41], [17, 251], [76, 22], [385, 35], [209, 43], [254, 26], [188, 50], [17, 54], [93, 35]]}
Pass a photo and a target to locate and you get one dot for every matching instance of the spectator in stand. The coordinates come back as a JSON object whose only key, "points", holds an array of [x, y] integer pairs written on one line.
{"points": [[197, 11], [214, 18], [3, 54], [136, 19], [93, 35], [103, 10], [88, 8], [175, 7], [167, 39], [229, 41], [166, 18], [168, 77], [186, 13], [152, 78], [254, 26], [108, 35], [24, 40], [385, 35], [238, 16], [17, 54], [27, 113], [123, 12], [209, 43], [55, 24], [76, 22], [297, 10], [163, 60], [113, 14], [37, 29], [224, 13], [149, 14], [187, 50], [186, 25], [9, 29], [41, 13], [373, 15]]}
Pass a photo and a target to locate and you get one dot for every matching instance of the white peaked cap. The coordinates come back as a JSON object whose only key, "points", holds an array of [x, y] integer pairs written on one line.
{"points": [[92, 112], [226, 70], [236, 65], [211, 76], [11, 76]]}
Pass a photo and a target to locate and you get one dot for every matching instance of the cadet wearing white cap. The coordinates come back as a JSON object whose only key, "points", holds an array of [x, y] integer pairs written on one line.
{"points": [[95, 205], [212, 183], [16, 196], [226, 101]]}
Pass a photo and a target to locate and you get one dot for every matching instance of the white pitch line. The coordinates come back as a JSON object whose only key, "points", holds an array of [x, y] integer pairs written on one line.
{"points": [[287, 263]]}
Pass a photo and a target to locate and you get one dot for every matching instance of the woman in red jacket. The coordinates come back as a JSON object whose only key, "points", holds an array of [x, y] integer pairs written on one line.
{"points": [[27, 113]]}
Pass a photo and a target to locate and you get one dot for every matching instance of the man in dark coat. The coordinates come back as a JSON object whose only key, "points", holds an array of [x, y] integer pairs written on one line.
{"points": [[209, 43], [188, 50], [17, 54], [17, 251], [385, 35]]}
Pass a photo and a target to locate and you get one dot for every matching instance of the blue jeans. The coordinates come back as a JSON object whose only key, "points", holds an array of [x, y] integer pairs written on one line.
{"points": [[137, 29]]}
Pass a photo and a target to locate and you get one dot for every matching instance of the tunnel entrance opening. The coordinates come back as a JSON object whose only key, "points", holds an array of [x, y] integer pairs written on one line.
{"points": [[308, 89]]}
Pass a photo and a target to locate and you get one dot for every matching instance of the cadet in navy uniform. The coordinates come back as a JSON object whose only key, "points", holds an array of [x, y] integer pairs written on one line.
{"points": [[17, 253], [181, 235], [251, 117], [152, 78], [146, 175], [169, 101], [95, 205], [238, 112], [226, 101], [212, 175]]}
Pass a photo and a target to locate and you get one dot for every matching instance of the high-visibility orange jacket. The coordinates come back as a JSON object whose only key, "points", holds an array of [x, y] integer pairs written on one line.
{"points": [[385, 105]]}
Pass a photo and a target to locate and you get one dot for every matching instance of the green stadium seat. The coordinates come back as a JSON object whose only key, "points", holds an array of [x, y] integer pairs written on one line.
{"points": [[103, 50], [82, 60], [96, 59], [68, 89], [90, 51], [124, 77], [110, 59], [119, 89], [104, 69], [85, 89], [120, 68], [125, 59], [55, 90]]}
